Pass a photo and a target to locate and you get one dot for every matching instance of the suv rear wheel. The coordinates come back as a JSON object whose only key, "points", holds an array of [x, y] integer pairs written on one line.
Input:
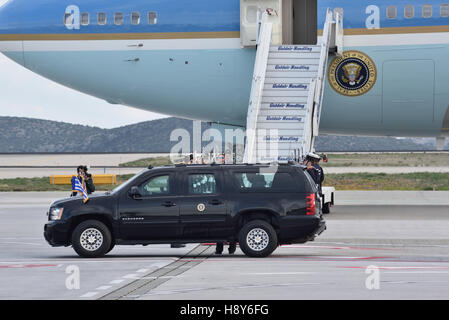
{"points": [[91, 239], [258, 238]]}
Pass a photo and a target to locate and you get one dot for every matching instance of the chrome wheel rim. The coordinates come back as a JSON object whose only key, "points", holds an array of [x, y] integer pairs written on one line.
{"points": [[257, 239], [91, 239]]}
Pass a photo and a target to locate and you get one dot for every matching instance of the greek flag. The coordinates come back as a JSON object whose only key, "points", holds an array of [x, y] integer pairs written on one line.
{"points": [[78, 187]]}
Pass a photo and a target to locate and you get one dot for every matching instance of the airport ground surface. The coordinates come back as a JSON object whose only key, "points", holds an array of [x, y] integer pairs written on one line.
{"points": [[44, 165], [11, 173], [404, 234]]}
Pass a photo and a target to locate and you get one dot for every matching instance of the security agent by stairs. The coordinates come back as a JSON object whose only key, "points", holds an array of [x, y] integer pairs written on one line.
{"points": [[286, 95]]}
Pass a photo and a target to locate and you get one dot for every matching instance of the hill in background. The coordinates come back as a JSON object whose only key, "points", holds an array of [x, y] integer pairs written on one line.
{"points": [[19, 135]]}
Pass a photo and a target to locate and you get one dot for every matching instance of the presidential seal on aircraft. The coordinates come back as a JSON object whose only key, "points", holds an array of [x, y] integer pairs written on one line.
{"points": [[352, 74]]}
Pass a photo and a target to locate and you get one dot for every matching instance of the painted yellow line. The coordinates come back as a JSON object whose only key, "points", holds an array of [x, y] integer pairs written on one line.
{"points": [[120, 36]]}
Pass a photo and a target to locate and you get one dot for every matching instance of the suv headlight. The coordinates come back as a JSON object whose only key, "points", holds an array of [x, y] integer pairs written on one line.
{"points": [[55, 214]]}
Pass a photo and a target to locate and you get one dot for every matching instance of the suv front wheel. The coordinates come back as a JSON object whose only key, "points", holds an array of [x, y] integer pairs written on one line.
{"points": [[258, 238], [91, 239]]}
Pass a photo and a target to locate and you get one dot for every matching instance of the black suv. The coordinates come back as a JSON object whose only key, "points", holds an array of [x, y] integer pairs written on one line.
{"points": [[258, 206]]}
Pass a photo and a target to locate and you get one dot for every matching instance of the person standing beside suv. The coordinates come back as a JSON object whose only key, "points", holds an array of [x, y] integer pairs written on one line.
{"points": [[309, 162], [85, 179]]}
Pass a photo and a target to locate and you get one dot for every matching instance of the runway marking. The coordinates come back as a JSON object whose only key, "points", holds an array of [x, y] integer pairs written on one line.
{"points": [[399, 268], [418, 272], [89, 295], [25, 238], [276, 273], [332, 247], [78, 260], [24, 266], [298, 258], [104, 288], [131, 276], [147, 278], [23, 243], [188, 290], [117, 281]]}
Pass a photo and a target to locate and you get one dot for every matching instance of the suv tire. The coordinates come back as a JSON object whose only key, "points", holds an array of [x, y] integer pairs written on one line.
{"points": [[91, 239], [257, 238]]}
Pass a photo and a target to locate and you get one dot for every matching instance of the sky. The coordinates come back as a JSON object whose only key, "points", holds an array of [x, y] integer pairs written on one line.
{"points": [[26, 94]]}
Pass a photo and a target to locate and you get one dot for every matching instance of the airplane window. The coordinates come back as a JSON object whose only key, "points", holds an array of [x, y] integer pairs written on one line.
{"points": [[152, 17], [68, 19], [444, 10], [118, 18], [84, 20], [101, 18], [135, 18], [409, 11], [427, 10], [391, 12]]}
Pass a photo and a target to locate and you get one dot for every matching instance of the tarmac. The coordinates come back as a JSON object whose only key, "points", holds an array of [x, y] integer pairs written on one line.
{"points": [[378, 245], [44, 165]]}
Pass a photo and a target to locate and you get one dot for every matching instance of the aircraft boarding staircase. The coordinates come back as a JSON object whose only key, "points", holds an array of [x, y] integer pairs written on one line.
{"points": [[287, 92]]}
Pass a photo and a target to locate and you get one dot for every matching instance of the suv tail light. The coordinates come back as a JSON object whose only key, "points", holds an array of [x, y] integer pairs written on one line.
{"points": [[310, 204]]}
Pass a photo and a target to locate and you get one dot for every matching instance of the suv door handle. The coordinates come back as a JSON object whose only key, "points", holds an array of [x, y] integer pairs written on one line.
{"points": [[169, 204], [215, 202]]}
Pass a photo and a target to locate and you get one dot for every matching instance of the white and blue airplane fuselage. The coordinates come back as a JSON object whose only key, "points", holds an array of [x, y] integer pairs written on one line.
{"points": [[185, 58]]}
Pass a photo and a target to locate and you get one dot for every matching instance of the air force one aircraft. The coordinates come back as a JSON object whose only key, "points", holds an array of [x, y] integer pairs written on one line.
{"points": [[197, 59]]}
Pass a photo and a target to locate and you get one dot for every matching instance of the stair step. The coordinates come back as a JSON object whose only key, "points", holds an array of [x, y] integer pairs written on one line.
{"points": [[285, 93], [280, 118], [286, 87], [285, 106], [294, 55], [280, 100], [282, 112], [295, 48], [302, 61], [272, 159], [282, 67], [282, 148], [281, 138], [285, 125], [305, 80], [298, 77], [279, 132]]}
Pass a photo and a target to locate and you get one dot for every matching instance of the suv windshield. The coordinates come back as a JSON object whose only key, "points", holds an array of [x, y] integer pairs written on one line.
{"points": [[127, 183]]}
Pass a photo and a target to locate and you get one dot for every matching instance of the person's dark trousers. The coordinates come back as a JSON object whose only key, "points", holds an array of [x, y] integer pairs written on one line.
{"points": [[232, 247], [219, 248]]}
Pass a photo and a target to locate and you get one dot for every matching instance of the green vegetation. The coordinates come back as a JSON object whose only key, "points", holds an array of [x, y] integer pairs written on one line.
{"points": [[350, 181], [421, 159], [422, 181], [155, 162]]}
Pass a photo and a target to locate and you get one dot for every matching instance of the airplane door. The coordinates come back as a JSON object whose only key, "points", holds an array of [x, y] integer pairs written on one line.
{"points": [[250, 10], [408, 94], [299, 22]]}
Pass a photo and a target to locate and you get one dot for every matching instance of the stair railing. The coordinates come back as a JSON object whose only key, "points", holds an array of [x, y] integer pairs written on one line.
{"points": [[339, 33], [260, 67], [317, 87]]}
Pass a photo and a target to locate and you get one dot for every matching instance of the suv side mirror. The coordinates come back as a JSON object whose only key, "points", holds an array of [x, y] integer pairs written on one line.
{"points": [[134, 192]]}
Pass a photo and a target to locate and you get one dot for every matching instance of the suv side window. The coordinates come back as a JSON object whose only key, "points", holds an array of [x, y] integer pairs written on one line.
{"points": [[156, 186], [202, 183], [265, 182]]}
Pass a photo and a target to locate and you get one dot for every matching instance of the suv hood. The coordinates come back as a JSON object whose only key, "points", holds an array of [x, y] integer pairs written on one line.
{"points": [[78, 199]]}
